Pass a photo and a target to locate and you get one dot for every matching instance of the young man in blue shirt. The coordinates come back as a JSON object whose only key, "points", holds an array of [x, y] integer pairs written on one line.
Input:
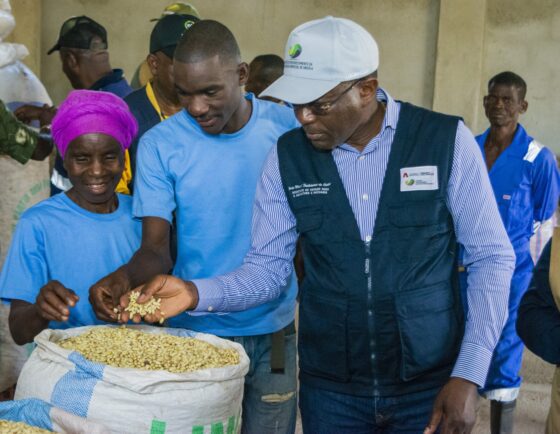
{"points": [[204, 164]]}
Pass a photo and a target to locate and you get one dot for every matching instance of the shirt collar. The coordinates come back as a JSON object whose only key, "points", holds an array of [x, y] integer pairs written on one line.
{"points": [[114, 76], [392, 109], [518, 146]]}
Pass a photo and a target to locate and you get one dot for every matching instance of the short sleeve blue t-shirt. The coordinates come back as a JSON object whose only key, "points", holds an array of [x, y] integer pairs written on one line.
{"points": [[210, 181], [58, 240]]}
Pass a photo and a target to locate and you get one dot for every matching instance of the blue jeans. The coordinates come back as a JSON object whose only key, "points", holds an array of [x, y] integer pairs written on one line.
{"points": [[270, 399], [325, 412]]}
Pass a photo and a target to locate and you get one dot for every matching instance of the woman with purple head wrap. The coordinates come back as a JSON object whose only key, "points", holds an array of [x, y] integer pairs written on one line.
{"points": [[66, 243], [89, 111], [89, 127]]}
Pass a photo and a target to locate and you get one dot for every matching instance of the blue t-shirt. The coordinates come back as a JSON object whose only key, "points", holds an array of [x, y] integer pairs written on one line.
{"points": [[58, 240], [210, 181]]}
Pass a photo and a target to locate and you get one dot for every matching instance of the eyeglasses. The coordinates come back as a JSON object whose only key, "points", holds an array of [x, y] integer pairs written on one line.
{"points": [[321, 108]]}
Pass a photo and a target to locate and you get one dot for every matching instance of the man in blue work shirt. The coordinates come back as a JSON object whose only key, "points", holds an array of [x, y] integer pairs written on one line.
{"points": [[526, 185], [377, 192]]}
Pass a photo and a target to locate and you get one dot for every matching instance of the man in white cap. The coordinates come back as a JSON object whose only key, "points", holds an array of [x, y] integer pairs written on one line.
{"points": [[378, 192]]}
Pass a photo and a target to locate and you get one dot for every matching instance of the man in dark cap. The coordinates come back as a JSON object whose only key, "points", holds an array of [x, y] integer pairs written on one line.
{"points": [[143, 75], [158, 100], [82, 43]]}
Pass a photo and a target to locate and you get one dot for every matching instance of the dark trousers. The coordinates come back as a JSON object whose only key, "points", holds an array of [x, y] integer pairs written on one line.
{"points": [[324, 412]]}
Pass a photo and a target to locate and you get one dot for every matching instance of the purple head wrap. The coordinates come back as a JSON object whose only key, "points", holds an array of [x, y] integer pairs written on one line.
{"points": [[93, 111]]}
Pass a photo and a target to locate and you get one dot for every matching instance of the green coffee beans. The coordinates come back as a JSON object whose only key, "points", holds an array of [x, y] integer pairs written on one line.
{"points": [[8, 427], [150, 307], [124, 347]]}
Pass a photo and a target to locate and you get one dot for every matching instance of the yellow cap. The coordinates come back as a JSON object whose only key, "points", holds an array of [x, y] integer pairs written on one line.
{"points": [[180, 8]]}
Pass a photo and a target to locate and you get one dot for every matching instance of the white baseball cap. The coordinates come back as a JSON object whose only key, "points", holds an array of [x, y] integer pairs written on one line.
{"points": [[321, 54]]}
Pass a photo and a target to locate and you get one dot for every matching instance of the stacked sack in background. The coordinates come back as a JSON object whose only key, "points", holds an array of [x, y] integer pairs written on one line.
{"points": [[22, 185], [128, 400]]}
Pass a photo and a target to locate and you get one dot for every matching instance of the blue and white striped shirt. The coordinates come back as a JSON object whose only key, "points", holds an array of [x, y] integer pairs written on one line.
{"points": [[488, 253]]}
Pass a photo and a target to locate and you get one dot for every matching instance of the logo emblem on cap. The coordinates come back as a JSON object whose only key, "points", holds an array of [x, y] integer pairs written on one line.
{"points": [[294, 51], [188, 24]]}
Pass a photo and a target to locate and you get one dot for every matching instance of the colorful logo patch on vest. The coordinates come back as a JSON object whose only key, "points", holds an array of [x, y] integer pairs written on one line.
{"points": [[419, 178], [294, 51]]}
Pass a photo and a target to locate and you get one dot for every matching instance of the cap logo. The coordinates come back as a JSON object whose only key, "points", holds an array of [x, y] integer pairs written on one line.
{"points": [[188, 24], [294, 51]]}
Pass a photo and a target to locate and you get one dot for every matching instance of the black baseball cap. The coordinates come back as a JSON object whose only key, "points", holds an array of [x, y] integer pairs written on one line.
{"points": [[78, 32], [168, 31]]}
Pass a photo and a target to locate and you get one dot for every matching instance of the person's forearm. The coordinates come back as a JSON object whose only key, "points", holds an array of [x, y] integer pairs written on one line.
{"points": [[146, 264], [42, 150], [487, 306], [488, 257], [268, 265], [249, 286], [26, 323]]}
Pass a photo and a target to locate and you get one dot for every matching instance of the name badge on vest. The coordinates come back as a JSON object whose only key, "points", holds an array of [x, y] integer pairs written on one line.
{"points": [[419, 178]]}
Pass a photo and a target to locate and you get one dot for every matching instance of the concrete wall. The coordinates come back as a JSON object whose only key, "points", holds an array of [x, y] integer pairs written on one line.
{"points": [[22, 185], [436, 53], [28, 15], [458, 62], [406, 31], [525, 37]]}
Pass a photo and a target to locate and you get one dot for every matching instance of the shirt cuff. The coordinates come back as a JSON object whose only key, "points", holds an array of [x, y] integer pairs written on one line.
{"points": [[210, 295], [473, 363], [141, 212]]}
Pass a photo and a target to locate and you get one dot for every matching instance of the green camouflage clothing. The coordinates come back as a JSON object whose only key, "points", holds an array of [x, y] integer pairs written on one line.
{"points": [[17, 140]]}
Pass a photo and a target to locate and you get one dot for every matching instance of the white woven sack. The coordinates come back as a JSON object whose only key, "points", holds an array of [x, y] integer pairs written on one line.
{"points": [[132, 400]]}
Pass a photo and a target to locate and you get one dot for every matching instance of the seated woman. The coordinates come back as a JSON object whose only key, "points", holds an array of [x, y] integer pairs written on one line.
{"points": [[64, 244]]}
